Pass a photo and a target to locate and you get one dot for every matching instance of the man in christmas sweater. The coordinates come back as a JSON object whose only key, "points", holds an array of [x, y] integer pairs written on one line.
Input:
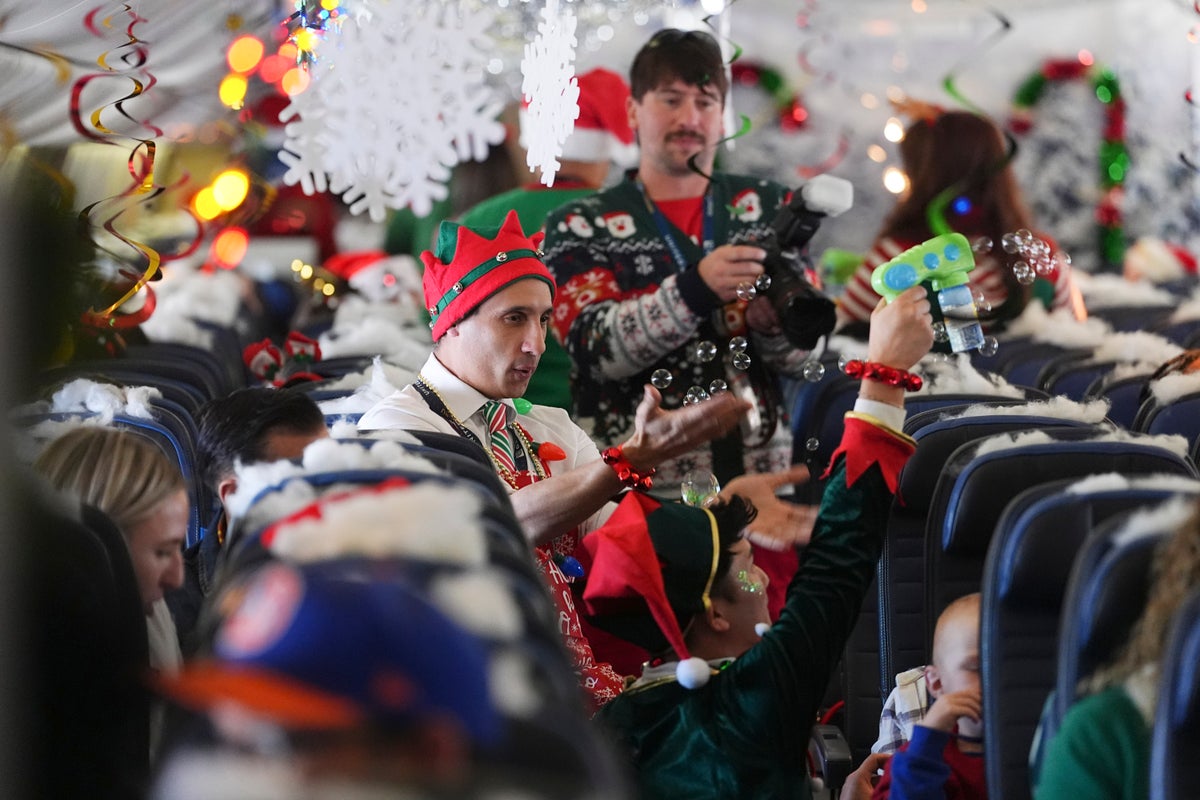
{"points": [[651, 271], [600, 138]]}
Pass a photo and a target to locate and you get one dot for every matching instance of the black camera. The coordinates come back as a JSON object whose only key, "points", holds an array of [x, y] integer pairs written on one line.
{"points": [[804, 313]]}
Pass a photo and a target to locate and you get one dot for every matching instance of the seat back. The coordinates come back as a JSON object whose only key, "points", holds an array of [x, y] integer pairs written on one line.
{"points": [[1180, 416], [1175, 745], [974, 488], [1025, 575], [1124, 396], [1071, 376], [883, 642], [1105, 595], [1023, 366], [901, 575]]}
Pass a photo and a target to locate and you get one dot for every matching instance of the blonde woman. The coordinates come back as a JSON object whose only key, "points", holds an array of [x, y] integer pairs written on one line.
{"points": [[1102, 751], [128, 478]]}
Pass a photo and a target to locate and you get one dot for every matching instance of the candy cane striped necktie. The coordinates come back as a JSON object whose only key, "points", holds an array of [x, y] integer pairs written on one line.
{"points": [[497, 419]]}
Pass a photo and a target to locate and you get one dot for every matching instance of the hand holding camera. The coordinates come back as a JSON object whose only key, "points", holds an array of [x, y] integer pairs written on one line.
{"points": [[804, 314]]}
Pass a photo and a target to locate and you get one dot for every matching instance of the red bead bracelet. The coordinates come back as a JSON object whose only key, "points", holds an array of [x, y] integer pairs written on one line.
{"points": [[630, 477], [871, 371]]}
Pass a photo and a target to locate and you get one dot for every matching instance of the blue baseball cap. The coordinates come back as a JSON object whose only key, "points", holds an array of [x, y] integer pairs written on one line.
{"points": [[317, 649]]}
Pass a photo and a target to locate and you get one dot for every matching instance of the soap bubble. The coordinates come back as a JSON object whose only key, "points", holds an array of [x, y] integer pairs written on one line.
{"points": [[699, 488], [741, 360], [812, 445], [981, 246], [746, 291], [717, 386], [737, 344], [705, 351], [661, 378], [939, 332], [981, 301], [763, 282], [1010, 243], [988, 346], [843, 360], [695, 394], [1025, 236], [1024, 273], [814, 370], [1043, 266]]}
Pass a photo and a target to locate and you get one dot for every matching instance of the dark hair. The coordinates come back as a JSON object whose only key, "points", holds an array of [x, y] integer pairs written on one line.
{"points": [[693, 57], [968, 151], [237, 426], [732, 516]]}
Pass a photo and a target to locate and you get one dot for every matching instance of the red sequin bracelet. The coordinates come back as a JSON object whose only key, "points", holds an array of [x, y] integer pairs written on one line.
{"points": [[870, 371], [615, 458]]}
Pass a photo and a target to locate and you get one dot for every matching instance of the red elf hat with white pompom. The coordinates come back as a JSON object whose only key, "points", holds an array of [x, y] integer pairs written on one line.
{"points": [[650, 569]]}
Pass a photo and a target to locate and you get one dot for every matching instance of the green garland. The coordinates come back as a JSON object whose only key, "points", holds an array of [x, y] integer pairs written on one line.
{"points": [[1114, 156]]}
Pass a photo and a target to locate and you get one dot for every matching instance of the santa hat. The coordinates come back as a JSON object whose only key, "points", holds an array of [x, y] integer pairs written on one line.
{"points": [[650, 570], [347, 265], [467, 267], [282, 652], [602, 131], [1157, 261]]}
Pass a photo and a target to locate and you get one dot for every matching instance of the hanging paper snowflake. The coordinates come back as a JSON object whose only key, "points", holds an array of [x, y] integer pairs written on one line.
{"points": [[395, 101], [551, 90]]}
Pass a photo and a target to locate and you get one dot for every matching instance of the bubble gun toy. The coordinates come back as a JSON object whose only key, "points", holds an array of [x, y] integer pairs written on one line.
{"points": [[944, 261]]}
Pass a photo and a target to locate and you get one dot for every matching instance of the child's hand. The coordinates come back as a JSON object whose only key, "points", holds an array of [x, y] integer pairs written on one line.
{"points": [[944, 713]]}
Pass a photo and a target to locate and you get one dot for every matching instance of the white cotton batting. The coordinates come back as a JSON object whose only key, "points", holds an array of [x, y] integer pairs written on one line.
{"points": [[405, 346], [330, 455], [378, 381], [177, 328], [1058, 327], [1170, 388], [1136, 346], [511, 685], [957, 375], [104, 399], [424, 521], [480, 602], [1114, 481], [1009, 441], [1167, 517], [1059, 407], [256, 479], [1113, 291], [1188, 310], [209, 296]]}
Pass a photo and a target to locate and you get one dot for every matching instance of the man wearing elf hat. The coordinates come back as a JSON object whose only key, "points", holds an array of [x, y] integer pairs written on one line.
{"points": [[489, 298], [725, 710], [652, 290], [601, 137]]}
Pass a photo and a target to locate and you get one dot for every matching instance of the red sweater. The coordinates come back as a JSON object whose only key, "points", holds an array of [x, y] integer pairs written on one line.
{"points": [[932, 766]]}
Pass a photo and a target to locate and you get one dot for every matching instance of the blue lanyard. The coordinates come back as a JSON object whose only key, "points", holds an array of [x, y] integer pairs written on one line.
{"points": [[664, 227]]}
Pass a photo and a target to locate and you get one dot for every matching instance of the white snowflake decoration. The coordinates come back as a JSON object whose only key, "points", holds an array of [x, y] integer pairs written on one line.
{"points": [[397, 98], [549, 85]]}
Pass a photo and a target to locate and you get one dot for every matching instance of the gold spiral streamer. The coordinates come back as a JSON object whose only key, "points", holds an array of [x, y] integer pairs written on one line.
{"points": [[132, 55]]}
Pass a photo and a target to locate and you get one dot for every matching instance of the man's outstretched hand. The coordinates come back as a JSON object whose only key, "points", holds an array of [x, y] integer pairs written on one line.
{"points": [[779, 525], [659, 434]]}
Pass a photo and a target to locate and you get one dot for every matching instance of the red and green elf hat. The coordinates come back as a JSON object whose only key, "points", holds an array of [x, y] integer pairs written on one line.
{"points": [[468, 266], [650, 568]]}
